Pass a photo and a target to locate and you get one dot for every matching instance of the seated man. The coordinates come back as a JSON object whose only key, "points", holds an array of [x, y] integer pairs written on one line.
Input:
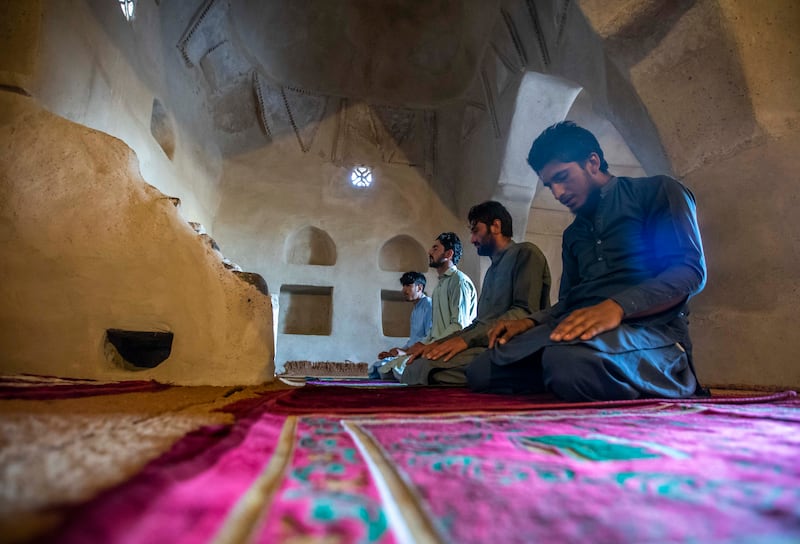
{"points": [[516, 284], [413, 288], [454, 298], [632, 258]]}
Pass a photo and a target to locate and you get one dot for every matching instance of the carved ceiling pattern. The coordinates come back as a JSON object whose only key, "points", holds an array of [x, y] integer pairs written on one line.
{"points": [[537, 28], [205, 31], [242, 95], [305, 112]]}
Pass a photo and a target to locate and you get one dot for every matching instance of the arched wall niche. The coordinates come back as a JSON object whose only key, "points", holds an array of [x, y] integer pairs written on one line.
{"points": [[310, 245], [395, 314], [401, 254]]}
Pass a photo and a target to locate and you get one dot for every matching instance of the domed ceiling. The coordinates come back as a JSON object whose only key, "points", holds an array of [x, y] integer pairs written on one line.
{"points": [[393, 51]]}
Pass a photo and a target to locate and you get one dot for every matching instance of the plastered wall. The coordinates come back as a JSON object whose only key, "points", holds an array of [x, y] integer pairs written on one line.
{"points": [[274, 197], [86, 246], [722, 84], [92, 67]]}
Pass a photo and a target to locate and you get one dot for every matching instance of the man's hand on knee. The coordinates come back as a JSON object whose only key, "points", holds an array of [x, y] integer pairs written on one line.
{"points": [[394, 352], [444, 350], [505, 329], [586, 323], [416, 351]]}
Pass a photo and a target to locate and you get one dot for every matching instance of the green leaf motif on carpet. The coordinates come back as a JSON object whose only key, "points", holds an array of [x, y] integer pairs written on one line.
{"points": [[590, 449]]}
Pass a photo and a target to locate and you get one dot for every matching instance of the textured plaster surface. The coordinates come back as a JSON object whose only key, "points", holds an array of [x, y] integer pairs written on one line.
{"points": [[768, 46], [19, 32], [88, 246], [96, 69], [744, 323], [694, 87]]}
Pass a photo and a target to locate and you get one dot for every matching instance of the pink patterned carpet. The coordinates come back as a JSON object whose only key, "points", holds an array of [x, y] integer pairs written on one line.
{"points": [[445, 465]]}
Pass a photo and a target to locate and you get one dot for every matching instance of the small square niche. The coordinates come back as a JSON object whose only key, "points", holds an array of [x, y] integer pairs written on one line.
{"points": [[395, 314], [306, 309]]}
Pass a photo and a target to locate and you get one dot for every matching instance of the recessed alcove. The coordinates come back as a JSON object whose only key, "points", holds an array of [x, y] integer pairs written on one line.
{"points": [[395, 313], [310, 245], [306, 309], [401, 254], [137, 350], [161, 128]]}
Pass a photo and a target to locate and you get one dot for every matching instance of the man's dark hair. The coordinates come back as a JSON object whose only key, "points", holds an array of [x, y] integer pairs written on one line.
{"points": [[487, 212], [413, 277], [564, 142], [450, 240]]}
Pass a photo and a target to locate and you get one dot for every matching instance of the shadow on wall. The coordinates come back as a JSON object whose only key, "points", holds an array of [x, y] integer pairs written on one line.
{"points": [[401, 254], [162, 128], [310, 245]]}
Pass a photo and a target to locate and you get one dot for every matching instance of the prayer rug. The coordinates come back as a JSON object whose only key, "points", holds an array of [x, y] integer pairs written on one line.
{"points": [[185, 495], [31, 387], [686, 471], [268, 478], [662, 473]]}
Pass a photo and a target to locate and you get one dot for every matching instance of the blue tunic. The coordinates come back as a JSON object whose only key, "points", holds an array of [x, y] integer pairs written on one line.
{"points": [[641, 249], [421, 321]]}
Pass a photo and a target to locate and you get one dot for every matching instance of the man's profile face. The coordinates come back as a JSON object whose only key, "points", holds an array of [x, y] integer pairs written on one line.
{"points": [[412, 292], [571, 183], [436, 255], [482, 238]]}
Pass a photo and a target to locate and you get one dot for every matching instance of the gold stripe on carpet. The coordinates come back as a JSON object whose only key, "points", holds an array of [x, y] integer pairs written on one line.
{"points": [[246, 515], [403, 507]]}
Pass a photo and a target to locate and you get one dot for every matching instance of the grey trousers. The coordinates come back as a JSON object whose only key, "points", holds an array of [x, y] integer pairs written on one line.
{"points": [[625, 363], [452, 372]]}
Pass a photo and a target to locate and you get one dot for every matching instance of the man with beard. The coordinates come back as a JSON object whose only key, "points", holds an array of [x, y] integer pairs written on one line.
{"points": [[516, 284], [632, 259], [454, 300]]}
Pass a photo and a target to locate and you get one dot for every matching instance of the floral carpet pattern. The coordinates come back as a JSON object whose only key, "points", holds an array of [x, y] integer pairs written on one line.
{"points": [[674, 473], [717, 470]]}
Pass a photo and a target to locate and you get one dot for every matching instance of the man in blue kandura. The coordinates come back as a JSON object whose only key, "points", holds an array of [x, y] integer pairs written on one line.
{"points": [[413, 289], [632, 258]]}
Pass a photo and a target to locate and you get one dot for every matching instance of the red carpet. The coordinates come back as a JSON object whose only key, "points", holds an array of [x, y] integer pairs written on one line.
{"points": [[313, 399]]}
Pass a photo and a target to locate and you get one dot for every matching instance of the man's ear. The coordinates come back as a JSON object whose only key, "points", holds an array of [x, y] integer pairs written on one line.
{"points": [[593, 163], [497, 227], [448, 254]]}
